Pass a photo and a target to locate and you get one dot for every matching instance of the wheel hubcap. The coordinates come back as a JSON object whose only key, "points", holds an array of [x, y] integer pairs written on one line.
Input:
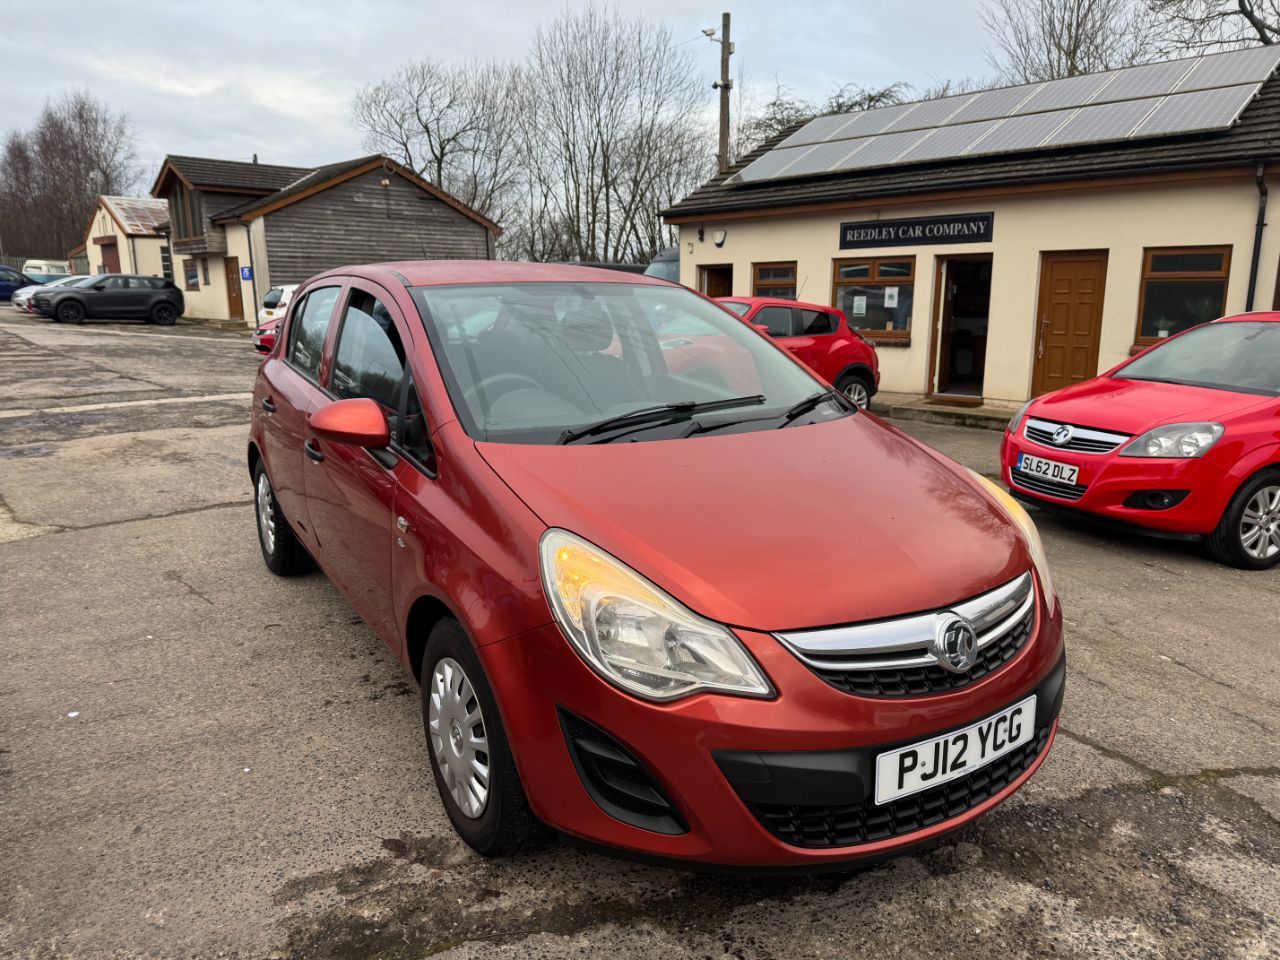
{"points": [[857, 392], [1260, 525], [458, 741], [266, 514]]}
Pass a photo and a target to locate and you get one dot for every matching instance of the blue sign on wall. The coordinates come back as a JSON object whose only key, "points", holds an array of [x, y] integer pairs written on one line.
{"points": [[246, 273]]}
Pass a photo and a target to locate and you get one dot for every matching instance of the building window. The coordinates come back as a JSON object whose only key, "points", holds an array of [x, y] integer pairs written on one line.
{"points": [[876, 296], [204, 269], [1181, 287], [775, 280], [166, 262], [191, 276]]}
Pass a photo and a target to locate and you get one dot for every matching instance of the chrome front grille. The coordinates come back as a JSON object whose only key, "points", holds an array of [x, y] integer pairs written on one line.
{"points": [[895, 658], [1080, 439]]}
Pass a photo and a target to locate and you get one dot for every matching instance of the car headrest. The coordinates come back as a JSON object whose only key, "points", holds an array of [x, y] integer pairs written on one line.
{"points": [[586, 327]]}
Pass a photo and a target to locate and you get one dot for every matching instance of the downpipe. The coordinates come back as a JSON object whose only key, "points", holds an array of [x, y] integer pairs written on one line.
{"points": [[1261, 178]]}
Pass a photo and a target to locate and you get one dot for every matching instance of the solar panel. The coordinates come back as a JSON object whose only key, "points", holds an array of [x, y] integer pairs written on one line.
{"points": [[1067, 92], [873, 121], [994, 103], [826, 156], [1106, 121], [931, 113], [948, 141], [1251, 65], [883, 149], [816, 130], [1021, 133], [1197, 110], [1152, 80], [772, 163]]}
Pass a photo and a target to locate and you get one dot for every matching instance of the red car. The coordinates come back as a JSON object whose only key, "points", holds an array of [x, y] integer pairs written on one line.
{"points": [[1181, 440], [759, 630], [264, 338], [820, 337]]}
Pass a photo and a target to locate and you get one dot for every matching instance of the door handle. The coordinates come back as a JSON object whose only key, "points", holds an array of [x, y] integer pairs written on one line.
{"points": [[267, 405], [313, 451]]}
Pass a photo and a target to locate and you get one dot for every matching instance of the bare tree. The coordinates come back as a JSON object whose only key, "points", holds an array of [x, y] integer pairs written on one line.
{"points": [[1205, 25], [51, 174], [1047, 39], [785, 109]]}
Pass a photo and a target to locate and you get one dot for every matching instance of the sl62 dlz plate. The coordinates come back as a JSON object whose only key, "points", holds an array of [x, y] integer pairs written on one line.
{"points": [[930, 763], [1051, 470]]}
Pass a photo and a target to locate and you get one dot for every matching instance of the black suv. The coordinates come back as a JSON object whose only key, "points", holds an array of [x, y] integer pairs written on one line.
{"points": [[114, 296]]}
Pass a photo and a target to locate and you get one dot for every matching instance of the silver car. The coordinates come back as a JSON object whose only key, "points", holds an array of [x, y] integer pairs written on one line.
{"points": [[21, 298]]}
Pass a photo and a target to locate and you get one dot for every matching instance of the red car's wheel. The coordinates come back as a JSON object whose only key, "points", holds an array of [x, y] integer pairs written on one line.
{"points": [[1248, 535]]}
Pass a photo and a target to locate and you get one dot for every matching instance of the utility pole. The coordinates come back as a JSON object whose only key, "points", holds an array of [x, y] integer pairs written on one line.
{"points": [[724, 85]]}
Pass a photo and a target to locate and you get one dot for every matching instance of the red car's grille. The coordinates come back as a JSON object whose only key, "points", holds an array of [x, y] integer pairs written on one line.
{"points": [[1062, 491], [855, 823]]}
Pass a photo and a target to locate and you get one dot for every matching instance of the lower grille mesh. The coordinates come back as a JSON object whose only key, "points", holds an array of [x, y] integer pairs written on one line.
{"points": [[1062, 491], [852, 824]]}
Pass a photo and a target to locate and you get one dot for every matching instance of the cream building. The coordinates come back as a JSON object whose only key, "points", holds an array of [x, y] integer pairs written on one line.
{"points": [[1001, 244], [127, 235]]}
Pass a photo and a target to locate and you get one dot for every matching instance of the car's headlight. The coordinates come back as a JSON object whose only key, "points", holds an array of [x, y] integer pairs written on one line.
{"points": [[1178, 440], [1017, 417], [1030, 535], [633, 634]]}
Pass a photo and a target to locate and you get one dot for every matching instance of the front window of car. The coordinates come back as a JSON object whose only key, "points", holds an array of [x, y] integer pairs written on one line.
{"points": [[1241, 356], [739, 308], [86, 282], [664, 270], [540, 362], [272, 299]]}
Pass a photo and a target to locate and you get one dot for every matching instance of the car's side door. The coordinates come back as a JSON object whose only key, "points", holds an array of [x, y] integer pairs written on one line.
{"points": [[351, 490], [814, 340], [290, 393], [108, 298], [10, 280]]}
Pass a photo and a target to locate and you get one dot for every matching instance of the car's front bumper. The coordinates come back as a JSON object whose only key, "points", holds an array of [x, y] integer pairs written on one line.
{"points": [[817, 742], [1109, 481]]}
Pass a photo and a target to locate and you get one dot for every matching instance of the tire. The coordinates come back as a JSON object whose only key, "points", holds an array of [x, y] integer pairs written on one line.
{"points": [[1248, 535], [281, 551], [461, 721], [163, 314], [69, 311], [857, 388]]}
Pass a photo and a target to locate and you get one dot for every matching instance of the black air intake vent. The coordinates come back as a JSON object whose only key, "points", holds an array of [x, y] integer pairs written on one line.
{"points": [[617, 781]]}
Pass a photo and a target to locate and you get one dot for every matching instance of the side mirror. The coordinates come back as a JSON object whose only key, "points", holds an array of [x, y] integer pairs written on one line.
{"points": [[763, 329], [359, 422], [99, 286]]}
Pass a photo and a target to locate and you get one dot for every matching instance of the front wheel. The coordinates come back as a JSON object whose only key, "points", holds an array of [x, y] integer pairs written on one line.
{"points": [[468, 750], [1248, 535], [856, 388], [281, 551], [70, 311]]}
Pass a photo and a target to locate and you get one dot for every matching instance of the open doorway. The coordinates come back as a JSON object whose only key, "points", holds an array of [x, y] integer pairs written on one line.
{"points": [[716, 281], [965, 286]]}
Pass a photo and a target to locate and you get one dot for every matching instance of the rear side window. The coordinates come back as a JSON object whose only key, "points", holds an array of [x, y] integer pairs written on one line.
{"points": [[307, 332], [816, 323], [369, 361], [114, 282], [777, 319]]}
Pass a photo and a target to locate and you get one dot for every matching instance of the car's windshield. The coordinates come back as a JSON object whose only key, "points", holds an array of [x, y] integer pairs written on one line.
{"points": [[1242, 355], [739, 308], [88, 281], [272, 298], [524, 363], [664, 270]]}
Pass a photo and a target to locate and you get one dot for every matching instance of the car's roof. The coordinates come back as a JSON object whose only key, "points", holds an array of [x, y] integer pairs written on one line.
{"points": [[430, 273], [778, 301], [1269, 316]]}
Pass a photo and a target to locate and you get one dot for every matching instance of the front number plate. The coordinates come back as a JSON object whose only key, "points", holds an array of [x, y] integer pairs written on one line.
{"points": [[929, 763], [1050, 470]]}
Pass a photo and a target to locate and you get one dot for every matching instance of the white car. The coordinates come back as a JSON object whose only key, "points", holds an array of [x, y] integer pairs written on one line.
{"points": [[276, 302], [21, 298], [46, 267]]}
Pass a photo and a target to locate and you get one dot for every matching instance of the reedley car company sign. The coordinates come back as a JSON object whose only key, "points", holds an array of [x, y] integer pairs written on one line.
{"points": [[962, 228]]}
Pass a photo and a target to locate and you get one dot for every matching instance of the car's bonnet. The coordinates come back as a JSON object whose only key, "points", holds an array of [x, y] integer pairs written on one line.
{"points": [[1135, 406], [779, 529]]}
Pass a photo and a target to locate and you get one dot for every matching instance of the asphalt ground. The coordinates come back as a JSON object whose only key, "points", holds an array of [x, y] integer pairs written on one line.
{"points": [[200, 759]]}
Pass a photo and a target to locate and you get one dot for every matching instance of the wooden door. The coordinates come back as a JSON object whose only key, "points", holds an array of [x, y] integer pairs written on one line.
{"points": [[717, 281], [110, 258], [1069, 319], [235, 304]]}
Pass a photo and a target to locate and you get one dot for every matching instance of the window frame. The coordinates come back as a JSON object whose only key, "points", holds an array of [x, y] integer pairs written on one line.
{"points": [[875, 279], [190, 280], [294, 325], [794, 325], [829, 312], [773, 285], [348, 295], [1140, 341]]}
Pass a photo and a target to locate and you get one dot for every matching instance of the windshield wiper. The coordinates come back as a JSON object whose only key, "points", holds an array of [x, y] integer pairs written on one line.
{"points": [[809, 404], [662, 413]]}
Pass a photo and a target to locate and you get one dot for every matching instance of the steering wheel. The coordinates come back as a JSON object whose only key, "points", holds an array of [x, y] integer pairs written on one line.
{"points": [[513, 381]]}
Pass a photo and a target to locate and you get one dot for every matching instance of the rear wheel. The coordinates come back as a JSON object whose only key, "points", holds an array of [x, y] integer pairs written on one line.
{"points": [[856, 388], [468, 750], [1248, 535], [164, 314], [70, 311], [281, 551]]}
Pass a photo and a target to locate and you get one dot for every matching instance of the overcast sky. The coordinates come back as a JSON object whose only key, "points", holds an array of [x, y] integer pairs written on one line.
{"points": [[235, 77]]}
